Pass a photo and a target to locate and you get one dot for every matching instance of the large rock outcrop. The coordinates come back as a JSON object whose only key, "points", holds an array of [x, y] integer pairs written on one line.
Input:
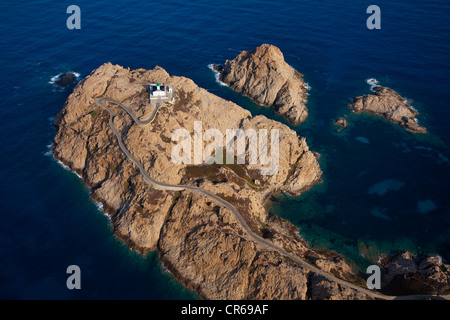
{"points": [[264, 76], [202, 243], [389, 104]]}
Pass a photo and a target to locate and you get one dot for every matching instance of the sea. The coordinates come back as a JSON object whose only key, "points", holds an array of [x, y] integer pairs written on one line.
{"points": [[384, 189]]}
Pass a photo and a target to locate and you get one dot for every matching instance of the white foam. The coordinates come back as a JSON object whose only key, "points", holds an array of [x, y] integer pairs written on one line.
{"points": [[49, 153], [409, 104], [297, 232], [55, 78], [63, 165], [373, 83], [67, 168], [99, 206], [164, 269], [217, 75], [308, 88]]}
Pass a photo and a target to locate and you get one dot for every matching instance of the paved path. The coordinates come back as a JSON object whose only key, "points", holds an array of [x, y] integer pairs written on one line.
{"points": [[263, 242]]}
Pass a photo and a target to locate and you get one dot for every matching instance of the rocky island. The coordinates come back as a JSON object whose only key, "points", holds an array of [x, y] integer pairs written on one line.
{"points": [[389, 104], [200, 241], [264, 76], [208, 222]]}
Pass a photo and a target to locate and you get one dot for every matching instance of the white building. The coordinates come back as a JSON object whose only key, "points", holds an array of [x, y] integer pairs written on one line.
{"points": [[159, 94]]}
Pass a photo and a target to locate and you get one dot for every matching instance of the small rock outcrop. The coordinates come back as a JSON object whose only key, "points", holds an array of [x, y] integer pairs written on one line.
{"points": [[341, 123], [66, 79], [264, 76], [389, 104], [217, 68]]}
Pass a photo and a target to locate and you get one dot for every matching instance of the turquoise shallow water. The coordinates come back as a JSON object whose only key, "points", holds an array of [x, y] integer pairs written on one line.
{"points": [[384, 189]]}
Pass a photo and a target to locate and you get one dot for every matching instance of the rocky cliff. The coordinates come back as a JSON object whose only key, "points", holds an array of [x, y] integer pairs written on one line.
{"points": [[389, 104], [264, 76], [201, 243]]}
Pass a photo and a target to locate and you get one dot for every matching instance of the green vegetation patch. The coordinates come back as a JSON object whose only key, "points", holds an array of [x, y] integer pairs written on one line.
{"points": [[213, 173], [94, 114]]}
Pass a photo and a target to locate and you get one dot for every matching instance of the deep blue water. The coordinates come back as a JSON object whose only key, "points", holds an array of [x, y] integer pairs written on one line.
{"points": [[384, 189]]}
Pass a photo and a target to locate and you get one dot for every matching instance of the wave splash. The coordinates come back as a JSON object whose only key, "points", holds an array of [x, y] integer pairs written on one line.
{"points": [[217, 75], [53, 80], [373, 83]]}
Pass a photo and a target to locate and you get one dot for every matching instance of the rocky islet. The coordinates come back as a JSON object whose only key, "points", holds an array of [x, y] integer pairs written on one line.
{"points": [[387, 103], [264, 76]]}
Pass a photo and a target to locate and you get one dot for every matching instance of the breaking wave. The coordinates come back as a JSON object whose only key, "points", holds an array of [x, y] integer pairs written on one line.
{"points": [[217, 75], [55, 78], [373, 83]]}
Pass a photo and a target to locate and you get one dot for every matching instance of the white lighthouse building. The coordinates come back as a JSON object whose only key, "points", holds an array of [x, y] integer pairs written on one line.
{"points": [[159, 94]]}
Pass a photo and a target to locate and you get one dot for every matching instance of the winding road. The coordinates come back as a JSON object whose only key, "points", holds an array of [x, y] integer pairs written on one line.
{"points": [[263, 242]]}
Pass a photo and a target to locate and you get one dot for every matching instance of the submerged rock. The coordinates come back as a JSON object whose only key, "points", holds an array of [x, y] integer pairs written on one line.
{"points": [[264, 76], [217, 67]]}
